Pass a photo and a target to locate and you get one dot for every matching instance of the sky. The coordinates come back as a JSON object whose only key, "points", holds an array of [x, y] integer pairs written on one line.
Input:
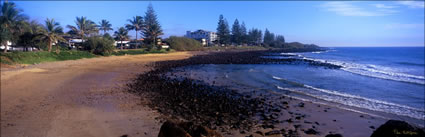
{"points": [[325, 23]]}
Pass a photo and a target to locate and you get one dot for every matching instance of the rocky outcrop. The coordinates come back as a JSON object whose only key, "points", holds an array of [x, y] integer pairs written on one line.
{"points": [[395, 128]]}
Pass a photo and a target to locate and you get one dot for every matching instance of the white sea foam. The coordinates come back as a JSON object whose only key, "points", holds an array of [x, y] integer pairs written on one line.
{"points": [[376, 71], [289, 54], [278, 78], [358, 101]]}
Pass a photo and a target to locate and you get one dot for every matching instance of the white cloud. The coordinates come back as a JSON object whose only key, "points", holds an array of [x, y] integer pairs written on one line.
{"points": [[413, 4], [383, 6], [349, 9], [404, 26]]}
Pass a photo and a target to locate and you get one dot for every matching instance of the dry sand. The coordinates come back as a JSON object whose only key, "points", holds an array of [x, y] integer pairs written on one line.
{"points": [[77, 98]]}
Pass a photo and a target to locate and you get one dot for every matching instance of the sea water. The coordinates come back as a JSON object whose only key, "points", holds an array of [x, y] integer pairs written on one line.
{"points": [[387, 82]]}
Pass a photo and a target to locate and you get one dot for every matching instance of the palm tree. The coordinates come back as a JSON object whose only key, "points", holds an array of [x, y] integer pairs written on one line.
{"points": [[83, 27], [11, 22], [52, 33], [29, 37], [135, 24], [105, 26], [121, 35]]}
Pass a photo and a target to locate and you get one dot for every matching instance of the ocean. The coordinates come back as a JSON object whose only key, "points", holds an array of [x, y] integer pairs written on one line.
{"points": [[387, 82]]}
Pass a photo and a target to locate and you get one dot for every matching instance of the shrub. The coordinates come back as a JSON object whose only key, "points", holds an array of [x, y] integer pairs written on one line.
{"points": [[99, 45], [182, 43]]}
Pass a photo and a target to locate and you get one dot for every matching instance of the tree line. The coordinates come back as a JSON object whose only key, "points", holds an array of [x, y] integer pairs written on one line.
{"points": [[239, 35], [17, 28]]}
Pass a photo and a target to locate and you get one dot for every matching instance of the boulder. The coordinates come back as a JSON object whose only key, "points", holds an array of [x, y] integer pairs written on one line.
{"points": [[185, 129], [396, 128], [333, 135], [172, 129]]}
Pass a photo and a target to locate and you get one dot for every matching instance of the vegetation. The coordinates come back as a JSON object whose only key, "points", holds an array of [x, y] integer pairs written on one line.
{"points": [[105, 26], [135, 24], [43, 56], [240, 36], [223, 31], [182, 43], [99, 45], [121, 35], [137, 51], [296, 46], [52, 34], [83, 28], [152, 28], [12, 23], [18, 29], [254, 37]]}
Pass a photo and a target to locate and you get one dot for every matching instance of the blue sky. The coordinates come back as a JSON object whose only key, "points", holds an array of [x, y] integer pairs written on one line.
{"points": [[325, 23]]}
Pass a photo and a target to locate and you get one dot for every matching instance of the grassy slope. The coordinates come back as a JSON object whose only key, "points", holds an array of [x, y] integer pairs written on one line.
{"points": [[44, 56]]}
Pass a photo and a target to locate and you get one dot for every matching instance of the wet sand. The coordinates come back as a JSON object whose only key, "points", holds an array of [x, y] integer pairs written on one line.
{"points": [[78, 98]]}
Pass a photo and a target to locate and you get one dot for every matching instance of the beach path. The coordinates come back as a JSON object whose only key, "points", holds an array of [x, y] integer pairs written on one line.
{"points": [[78, 98]]}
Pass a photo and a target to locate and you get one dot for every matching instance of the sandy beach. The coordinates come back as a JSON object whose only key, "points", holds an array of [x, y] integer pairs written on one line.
{"points": [[77, 98], [89, 97]]}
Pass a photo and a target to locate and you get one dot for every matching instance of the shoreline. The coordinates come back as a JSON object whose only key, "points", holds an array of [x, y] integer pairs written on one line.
{"points": [[90, 96], [289, 119], [83, 97]]}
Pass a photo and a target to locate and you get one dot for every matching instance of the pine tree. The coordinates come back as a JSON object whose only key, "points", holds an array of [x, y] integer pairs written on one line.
{"points": [[223, 31], [236, 32], [268, 38], [255, 36], [280, 41], [243, 33], [152, 28]]}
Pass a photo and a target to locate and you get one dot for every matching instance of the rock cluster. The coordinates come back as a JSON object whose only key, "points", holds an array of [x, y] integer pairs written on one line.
{"points": [[208, 105]]}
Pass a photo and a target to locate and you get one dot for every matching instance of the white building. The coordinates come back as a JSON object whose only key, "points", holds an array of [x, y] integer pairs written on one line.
{"points": [[8, 46], [124, 43], [208, 36], [11, 47]]}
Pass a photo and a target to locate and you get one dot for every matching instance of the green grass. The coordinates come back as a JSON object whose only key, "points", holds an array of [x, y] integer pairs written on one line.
{"points": [[137, 51], [42, 56]]}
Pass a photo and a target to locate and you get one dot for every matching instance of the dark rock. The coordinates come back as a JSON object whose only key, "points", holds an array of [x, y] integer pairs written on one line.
{"points": [[298, 117], [274, 132], [396, 128], [333, 135], [124, 136], [372, 127], [301, 104], [185, 129], [260, 133], [289, 120], [311, 131], [169, 129], [266, 126]]}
